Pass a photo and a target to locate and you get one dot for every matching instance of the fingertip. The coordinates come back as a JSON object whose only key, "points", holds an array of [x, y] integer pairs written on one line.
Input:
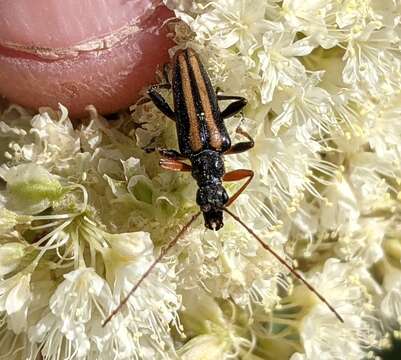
{"points": [[110, 78]]}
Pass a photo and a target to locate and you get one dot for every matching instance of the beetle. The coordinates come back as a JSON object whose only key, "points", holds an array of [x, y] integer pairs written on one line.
{"points": [[202, 136], [203, 140]]}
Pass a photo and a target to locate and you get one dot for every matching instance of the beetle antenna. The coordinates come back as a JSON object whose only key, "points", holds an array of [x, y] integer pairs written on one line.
{"points": [[283, 262], [163, 252]]}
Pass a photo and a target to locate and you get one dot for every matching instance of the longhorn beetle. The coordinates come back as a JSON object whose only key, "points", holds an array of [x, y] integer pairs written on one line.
{"points": [[203, 141]]}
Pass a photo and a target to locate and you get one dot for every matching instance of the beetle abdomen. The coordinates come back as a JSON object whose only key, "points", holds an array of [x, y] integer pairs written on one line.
{"points": [[199, 124]]}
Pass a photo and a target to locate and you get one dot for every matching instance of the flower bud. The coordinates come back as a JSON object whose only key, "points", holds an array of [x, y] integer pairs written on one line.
{"points": [[130, 245], [204, 347], [30, 188]]}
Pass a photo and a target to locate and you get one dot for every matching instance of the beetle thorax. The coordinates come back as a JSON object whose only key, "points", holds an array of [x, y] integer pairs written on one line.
{"points": [[207, 170], [207, 167]]}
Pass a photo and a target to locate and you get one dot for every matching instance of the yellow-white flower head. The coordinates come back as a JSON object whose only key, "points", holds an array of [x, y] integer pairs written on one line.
{"points": [[84, 210]]}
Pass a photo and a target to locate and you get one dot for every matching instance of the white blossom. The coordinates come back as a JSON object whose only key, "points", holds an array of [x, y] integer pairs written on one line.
{"points": [[307, 105], [214, 335], [84, 210], [15, 297], [278, 61], [346, 292], [83, 296], [230, 22], [233, 265], [314, 18], [153, 307]]}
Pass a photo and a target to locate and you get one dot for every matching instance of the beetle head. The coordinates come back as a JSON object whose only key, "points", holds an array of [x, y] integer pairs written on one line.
{"points": [[211, 199]]}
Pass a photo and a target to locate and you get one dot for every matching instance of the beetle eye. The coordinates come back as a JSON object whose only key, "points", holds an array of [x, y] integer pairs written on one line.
{"points": [[225, 198]]}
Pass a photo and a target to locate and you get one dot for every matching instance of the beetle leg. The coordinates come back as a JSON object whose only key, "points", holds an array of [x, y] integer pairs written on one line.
{"points": [[171, 154], [237, 175], [227, 97], [167, 153], [144, 99], [241, 146], [159, 100], [233, 108], [166, 71], [174, 165]]}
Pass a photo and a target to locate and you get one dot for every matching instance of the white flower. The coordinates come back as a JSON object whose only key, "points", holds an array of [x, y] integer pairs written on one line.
{"points": [[233, 265], [287, 166], [278, 61], [380, 127], [365, 242], [341, 210], [367, 176], [73, 323], [344, 291], [341, 217], [232, 22], [214, 335], [15, 297], [213, 347], [153, 307], [57, 138], [84, 210], [305, 105], [302, 317], [314, 18], [50, 140], [372, 59]]}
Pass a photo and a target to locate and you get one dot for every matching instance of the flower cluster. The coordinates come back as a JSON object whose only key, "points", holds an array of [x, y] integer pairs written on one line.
{"points": [[67, 256], [84, 210]]}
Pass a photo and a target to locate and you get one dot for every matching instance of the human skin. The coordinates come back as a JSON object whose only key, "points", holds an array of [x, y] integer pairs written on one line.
{"points": [[80, 52]]}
